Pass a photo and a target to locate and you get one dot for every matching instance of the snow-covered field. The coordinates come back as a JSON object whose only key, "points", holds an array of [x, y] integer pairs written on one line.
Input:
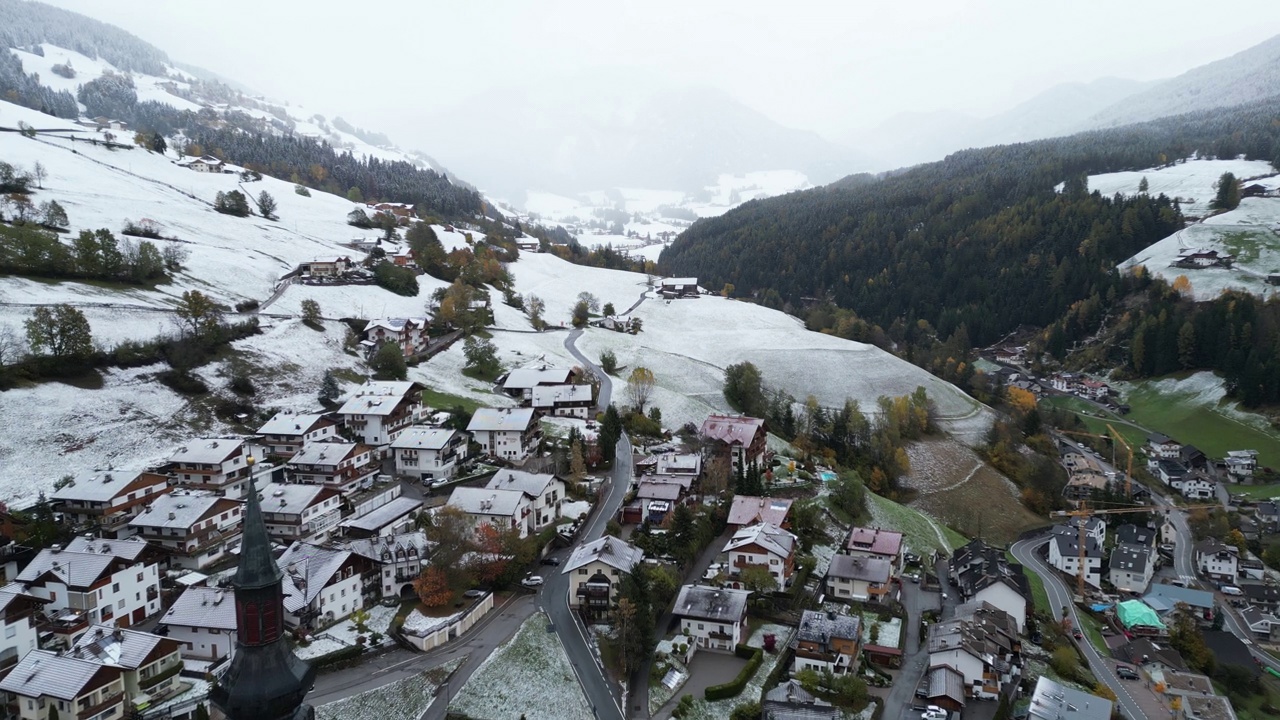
{"points": [[405, 699], [1191, 182], [529, 674]]}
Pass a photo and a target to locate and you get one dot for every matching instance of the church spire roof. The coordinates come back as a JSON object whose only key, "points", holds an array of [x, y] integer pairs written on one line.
{"points": [[257, 567]]}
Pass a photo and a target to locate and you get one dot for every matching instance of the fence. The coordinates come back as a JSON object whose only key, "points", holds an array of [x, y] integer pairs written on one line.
{"points": [[455, 626]]}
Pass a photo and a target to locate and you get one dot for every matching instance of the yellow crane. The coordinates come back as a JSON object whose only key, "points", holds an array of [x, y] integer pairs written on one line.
{"points": [[1114, 437], [1084, 512]]}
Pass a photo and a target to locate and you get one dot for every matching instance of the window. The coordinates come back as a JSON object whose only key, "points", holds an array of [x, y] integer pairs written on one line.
{"points": [[139, 577], [700, 626], [10, 631]]}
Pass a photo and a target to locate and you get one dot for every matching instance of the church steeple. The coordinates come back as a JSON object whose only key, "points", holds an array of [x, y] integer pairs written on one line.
{"points": [[265, 680]]}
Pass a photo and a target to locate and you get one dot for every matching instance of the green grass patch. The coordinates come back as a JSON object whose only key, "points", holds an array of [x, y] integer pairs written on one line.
{"points": [[1093, 631], [1188, 418], [1039, 596], [347, 375], [446, 401], [1257, 492], [1247, 245], [920, 531]]}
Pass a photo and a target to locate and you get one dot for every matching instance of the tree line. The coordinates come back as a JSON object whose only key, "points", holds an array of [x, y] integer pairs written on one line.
{"points": [[93, 254]]}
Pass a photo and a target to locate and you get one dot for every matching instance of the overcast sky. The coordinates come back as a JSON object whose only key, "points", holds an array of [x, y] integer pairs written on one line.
{"points": [[823, 66]]}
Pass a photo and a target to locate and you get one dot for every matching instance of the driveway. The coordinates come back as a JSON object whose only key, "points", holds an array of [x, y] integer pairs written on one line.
{"points": [[915, 657]]}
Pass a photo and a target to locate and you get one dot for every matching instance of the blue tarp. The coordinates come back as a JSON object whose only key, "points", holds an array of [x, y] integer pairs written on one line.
{"points": [[1100, 608]]}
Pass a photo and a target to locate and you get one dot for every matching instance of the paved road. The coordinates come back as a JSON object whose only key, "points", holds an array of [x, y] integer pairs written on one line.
{"points": [[915, 657], [1060, 598]]}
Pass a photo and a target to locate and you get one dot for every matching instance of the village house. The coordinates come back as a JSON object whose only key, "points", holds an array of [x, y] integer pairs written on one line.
{"points": [[1193, 458], [1268, 515], [1054, 701], [93, 581], [1136, 535], [713, 618], [944, 686], [403, 257], [343, 466], [982, 573], [149, 663], [45, 680], [1217, 560], [1164, 599], [859, 578], [762, 546], [1131, 568], [545, 493], [409, 333], [424, 453], [501, 509], [295, 511], [392, 518], [20, 611], [380, 410], [1064, 554], [1241, 465], [321, 584], [195, 529], [564, 400], [529, 244], [678, 464], [750, 510], [397, 560], [1163, 446], [1194, 259], [1143, 652], [108, 499], [1265, 597], [682, 287], [654, 502], [509, 434], [203, 619], [203, 164], [595, 571], [519, 383], [285, 433], [790, 701], [981, 643], [740, 438], [328, 267], [875, 543], [216, 464], [1197, 487], [827, 641], [1259, 621]]}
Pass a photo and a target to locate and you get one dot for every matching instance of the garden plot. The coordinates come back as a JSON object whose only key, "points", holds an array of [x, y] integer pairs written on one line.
{"points": [[888, 634], [719, 709], [421, 625], [531, 673], [406, 699]]}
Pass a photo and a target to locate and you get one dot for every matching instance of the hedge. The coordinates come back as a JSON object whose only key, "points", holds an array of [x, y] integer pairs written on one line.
{"points": [[337, 656], [734, 687]]}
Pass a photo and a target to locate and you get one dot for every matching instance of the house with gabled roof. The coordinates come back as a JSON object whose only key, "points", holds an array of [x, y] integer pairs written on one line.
{"points": [[595, 571], [347, 467], [1217, 560], [195, 529], [739, 438], [762, 546], [107, 499], [1065, 555], [544, 490], [980, 642], [203, 619], [380, 410], [409, 333], [1136, 535], [1054, 701], [564, 400], [1146, 653], [510, 434], [501, 509], [982, 573], [19, 610], [321, 584], [285, 433], [827, 641], [875, 543], [93, 581], [149, 663], [77, 688], [855, 577], [678, 287], [293, 511], [215, 464], [790, 701], [750, 510], [519, 383], [391, 518], [1164, 599], [1241, 464], [714, 618], [1163, 446], [424, 453], [1131, 567], [398, 560]]}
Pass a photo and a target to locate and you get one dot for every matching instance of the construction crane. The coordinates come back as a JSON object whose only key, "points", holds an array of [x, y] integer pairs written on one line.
{"points": [[1084, 512], [1113, 437]]}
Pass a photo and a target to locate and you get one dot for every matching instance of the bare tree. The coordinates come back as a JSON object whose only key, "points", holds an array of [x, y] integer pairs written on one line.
{"points": [[39, 173], [640, 387], [11, 346], [593, 302]]}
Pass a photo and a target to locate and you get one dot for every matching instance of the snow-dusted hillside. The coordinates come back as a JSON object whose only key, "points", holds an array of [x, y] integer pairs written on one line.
{"points": [[1192, 183]]}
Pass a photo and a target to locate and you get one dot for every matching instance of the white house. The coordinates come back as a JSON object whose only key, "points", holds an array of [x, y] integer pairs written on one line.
{"points": [[300, 512], [1197, 487], [384, 520], [764, 546], [1163, 446], [502, 509], [286, 433], [1064, 554], [978, 642], [545, 493], [196, 529], [19, 610], [203, 164], [44, 680], [1241, 464], [855, 577], [507, 433], [203, 619], [564, 400], [595, 571], [428, 453], [343, 466], [409, 333], [321, 584], [1131, 568], [1217, 560], [712, 618], [97, 581], [827, 641], [380, 410], [519, 383], [216, 464], [108, 499], [399, 560], [983, 574], [150, 663], [876, 543]]}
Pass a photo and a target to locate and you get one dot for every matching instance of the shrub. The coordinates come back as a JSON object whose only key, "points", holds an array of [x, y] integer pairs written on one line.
{"points": [[246, 306], [183, 382], [734, 687], [399, 280], [242, 385], [301, 190]]}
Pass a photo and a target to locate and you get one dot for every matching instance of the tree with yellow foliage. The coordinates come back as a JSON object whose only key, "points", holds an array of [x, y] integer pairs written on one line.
{"points": [[1182, 285], [1024, 401]]}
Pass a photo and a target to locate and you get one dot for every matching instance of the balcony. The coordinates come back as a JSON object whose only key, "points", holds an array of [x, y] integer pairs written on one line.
{"points": [[92, 711], [152, 592]]}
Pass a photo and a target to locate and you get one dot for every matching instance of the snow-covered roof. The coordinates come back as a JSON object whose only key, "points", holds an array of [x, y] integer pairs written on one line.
{"points": [[531, 484], [868, 569], [501, 419], [483, 501], [378, 397], [680, 281], [292, 498], [43, 672], [128, 549], [659, 490], [732, 429], [395, 324], [747, 509], [78, 570], [207, 451], [324, 453], [311, 566], [545, 396], [104, 485], [770, 537], [129, 649], [821, 626], [179, 509], [679, 464], [377, 548], [290, 424], [422, 438], [527, 378], [203, 607], [11, 592], [1053, 701], [608, 550], [709, 603], [383, 515]]}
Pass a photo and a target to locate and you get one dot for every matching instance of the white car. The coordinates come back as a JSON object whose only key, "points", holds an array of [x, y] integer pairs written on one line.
{"points": [[933, 715], [532, 581]]}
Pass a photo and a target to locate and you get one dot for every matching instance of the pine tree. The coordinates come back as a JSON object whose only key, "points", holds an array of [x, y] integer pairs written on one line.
{"points": [[328, 388], [267, 205]]}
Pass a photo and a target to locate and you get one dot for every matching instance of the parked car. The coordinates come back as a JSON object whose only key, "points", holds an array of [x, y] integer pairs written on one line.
{"points": [[532, 581], [551, 560], [1124, 672]]}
